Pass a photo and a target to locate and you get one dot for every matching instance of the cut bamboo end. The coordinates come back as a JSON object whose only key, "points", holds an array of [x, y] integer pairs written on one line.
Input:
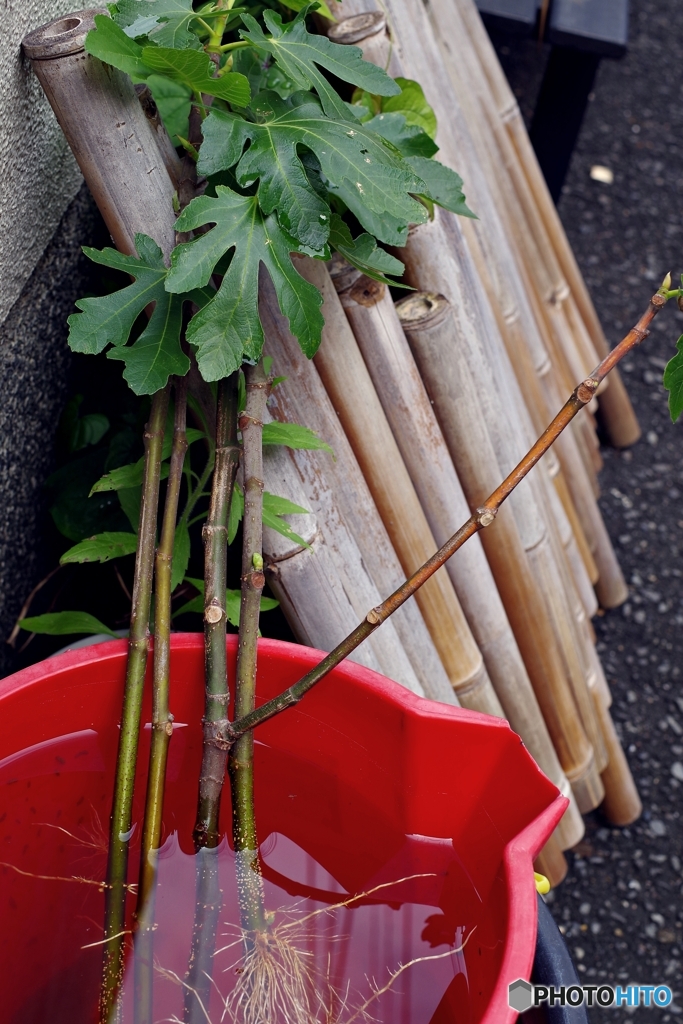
{"points": [[350, 387], [351, 31], [587, 786], [131, 185], [622, 804], [551, 862], [302, 398], [571, 827], [541, 626], [617, 415]]}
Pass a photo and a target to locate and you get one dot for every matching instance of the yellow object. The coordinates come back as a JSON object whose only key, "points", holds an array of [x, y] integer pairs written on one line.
{"points": [[542, 883]]}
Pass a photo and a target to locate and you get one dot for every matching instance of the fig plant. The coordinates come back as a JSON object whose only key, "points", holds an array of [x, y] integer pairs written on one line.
{"points": [[283, 159]]}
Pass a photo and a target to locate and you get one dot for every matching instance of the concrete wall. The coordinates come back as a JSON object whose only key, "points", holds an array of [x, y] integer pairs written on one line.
{"points": [[38, 175], [34, 385], [46, 215]]}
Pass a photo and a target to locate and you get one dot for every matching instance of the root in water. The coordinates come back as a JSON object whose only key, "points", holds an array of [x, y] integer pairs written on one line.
{"points": [[279, 983]]}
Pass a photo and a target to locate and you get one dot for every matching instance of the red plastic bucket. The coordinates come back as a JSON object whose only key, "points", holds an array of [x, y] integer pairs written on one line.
{"points": [[369, 765]]}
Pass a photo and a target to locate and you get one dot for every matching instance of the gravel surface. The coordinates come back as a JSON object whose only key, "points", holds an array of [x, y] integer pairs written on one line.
{"points": [[621, 905]]}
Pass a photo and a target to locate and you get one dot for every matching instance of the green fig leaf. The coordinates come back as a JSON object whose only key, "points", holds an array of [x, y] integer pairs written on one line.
{"points": [[228, 328], [300, 54]]}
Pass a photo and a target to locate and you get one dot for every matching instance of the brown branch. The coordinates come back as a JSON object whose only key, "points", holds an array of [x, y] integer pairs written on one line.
{"points": [[11, 639], [215, 534], [481, 518]]}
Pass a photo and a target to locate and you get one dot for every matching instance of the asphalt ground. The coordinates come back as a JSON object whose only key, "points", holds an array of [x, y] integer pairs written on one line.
{"points": [[621, 905]]}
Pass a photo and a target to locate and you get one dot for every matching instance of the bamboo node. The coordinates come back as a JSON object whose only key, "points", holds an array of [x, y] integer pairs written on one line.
{"points": [[367, 292], [213, 614], [485, 516]]}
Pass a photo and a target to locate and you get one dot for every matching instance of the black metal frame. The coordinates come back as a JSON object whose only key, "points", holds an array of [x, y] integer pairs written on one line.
{"points": [[581, 33]]}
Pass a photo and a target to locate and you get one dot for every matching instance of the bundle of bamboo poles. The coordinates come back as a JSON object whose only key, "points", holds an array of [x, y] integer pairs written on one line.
{"points": [[427, 405]]}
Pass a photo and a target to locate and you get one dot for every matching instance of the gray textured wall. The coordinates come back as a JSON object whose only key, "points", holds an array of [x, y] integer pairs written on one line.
{"points": [[38, 175], [34, 366], [42, 272]]}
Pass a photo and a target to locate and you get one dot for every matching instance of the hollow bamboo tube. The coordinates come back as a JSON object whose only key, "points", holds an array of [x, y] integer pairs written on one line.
{"points": [[527, 229], [463, 409], [114, 143], [615, 406], [481, 349], [551, 862], [527, 352], [348, 383], [488, 259], [373, 318], [477, 344], [575, 641], [622, 804], [518, 208], [414, 51], [325, 588], [302, 398]]}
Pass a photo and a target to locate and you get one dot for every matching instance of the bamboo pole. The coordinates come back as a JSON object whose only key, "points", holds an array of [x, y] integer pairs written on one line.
{"points": [[525, 228], [324, 588], [495, 261], [615, 406], [302, 398], [372, 315], [113, 141], [438, 356], [460, 405], [347, 382]]}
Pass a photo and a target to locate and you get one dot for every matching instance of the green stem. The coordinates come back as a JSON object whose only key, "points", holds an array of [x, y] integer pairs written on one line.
{"points": [[219, 26], [138, 644], [215, 749], [226, 47], [241, 758], [162, 720], [198, 492]]}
